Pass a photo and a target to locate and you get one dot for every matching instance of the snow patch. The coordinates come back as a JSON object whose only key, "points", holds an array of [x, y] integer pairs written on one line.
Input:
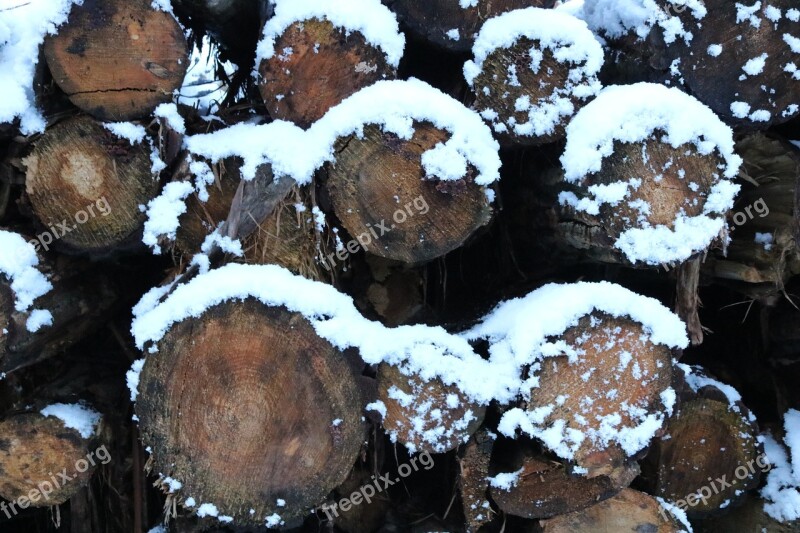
{"points": [[76, 416]]}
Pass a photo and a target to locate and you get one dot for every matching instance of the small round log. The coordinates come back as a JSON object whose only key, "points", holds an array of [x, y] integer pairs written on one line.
{"points": [[317, 65], [34, 450], [85, 185], [453, 24], [447, 422], [380, 194], [246, 405], [630, 510], [118, 59]]}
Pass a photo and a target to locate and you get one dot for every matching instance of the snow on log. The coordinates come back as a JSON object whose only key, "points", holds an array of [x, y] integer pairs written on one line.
{"points": [[45, 307], [532, 69], [242, 421], [711, 434], [426, 416], [118, 59], [600, 369], [411, 170], [315, 54], [781, 493], [86, 180], [453, 24], [652, 167], [39, 445], [630, 510]]}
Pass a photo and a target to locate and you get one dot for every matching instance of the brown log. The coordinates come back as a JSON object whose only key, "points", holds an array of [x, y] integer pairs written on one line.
{"points": [[434, 19], [118, 59], [33, 449], [546, 488], [244, 419], [377, 188], [630, 510], [77, 301], [473, 481], [571, 389], [325, 66], [720, 80], [749, 516], [82, 175], [446, 424]]}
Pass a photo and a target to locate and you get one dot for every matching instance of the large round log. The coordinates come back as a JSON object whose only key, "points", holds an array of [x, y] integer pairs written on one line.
{"points": [[380, 194], [246, 406], [118, 59], [85, 186]]}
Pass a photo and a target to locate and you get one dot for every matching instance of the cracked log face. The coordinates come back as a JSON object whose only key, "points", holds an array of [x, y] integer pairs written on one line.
{"points": [[435, 20], [315, 67], [118, 59], [33, 450], [243, 419], [382, 197], [87, 184]]}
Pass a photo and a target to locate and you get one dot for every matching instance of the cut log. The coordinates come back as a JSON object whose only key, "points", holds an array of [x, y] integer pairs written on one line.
{"points": [[85, 186], [380, 194], [473, 481], [749, 516], [37, 452], [630, 510], [453, 24], [527, 90], [618, 374], [426, 416], [319, 66], [545, 488], [741, 61], [284, 396], [118, 59]]}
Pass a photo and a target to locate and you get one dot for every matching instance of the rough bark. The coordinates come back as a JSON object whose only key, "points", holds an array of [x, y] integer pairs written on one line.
{"points": [[435, 18], [416, 427], [472, 480], [638, 381], [118, 59], [630, 510], [33, 448], [244, 419], [380, 194], [325, 66], [749, 516], [83, 177]]}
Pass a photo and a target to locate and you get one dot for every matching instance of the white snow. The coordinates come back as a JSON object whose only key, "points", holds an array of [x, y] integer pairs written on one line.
{"points": [[169, 112], [782, 490], [765, 239], [370, 18], [132, 378], [505, 480], [23, 27], [162, 5], [616, 18], [632, 114], [393, 105], [676, 512], [163, 213], [18, 262], [568, 40], [714, 50], [207, 509], [76, 416], [134, 133], [696, 378], [378, 406], [273, 520], [755, 66], [201, 88]]}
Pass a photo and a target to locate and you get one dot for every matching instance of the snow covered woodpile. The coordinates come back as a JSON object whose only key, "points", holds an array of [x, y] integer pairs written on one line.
{"points": [[366, 265]]}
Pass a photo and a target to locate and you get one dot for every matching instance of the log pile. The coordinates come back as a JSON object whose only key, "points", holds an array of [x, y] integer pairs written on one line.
{"points": [[457, 265]]}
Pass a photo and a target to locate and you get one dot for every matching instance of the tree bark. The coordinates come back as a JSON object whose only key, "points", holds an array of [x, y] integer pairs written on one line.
{"points": [[315, 67], [379, 193], [85, 186], [118, 59], [244, 419]]}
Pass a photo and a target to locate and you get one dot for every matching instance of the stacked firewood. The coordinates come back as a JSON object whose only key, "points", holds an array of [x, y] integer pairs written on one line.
{"points": [[444, 265]]}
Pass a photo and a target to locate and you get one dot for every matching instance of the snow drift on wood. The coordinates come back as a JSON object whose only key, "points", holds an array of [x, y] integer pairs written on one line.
{"points": [[370, 18], [76, 416], [634, 114], [19, 262], [568, 40], [782, 491], [616, 18], [24, 24]]}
